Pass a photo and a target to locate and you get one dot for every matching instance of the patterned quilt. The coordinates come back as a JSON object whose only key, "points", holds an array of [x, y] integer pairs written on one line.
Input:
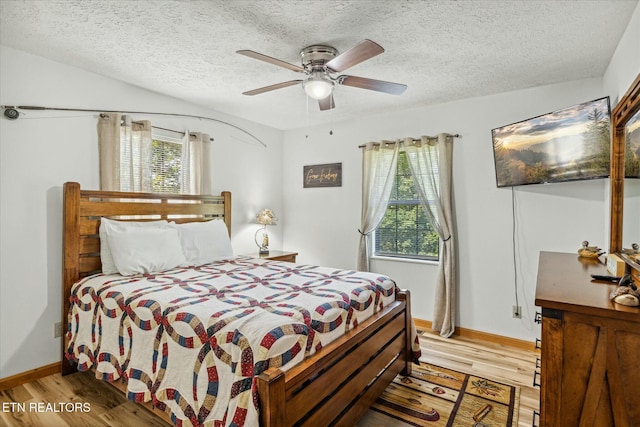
{"points": [[192, 339]]}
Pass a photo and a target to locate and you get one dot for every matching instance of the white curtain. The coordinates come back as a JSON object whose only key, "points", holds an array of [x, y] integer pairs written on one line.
{"points": [[125, 153], [379, 163], [196, 163], [431, 164]]}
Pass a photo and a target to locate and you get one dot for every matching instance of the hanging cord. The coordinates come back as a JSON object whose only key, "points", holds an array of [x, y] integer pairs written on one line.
{"points": [[307, 115], [513, 242], [333, 107], [15, 114]]}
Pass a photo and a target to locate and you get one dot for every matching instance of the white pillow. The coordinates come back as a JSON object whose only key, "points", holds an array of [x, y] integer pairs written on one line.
{"points": [[145, 250], [108, 266], [204, 242]]}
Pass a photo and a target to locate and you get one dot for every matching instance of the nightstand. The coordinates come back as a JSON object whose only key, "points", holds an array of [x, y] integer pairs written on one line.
{"points": [[278, 256]]}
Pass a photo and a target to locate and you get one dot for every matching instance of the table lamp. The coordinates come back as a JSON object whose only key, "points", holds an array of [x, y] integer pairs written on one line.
{"points": [[264, 217]]}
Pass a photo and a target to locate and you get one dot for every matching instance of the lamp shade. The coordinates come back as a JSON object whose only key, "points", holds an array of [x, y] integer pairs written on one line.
{"points": [[266, 217], [318, 86]]}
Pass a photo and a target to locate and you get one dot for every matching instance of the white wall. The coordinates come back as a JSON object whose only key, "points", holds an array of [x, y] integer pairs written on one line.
{"points": [[625, 63], [43, 149]]}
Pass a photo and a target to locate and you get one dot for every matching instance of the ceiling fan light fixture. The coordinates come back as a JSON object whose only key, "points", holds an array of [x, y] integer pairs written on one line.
{"points": [[319, 64], [318, 86]]}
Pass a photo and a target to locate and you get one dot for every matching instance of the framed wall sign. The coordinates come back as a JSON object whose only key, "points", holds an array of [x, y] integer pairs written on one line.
{"points": [[324, 175]]}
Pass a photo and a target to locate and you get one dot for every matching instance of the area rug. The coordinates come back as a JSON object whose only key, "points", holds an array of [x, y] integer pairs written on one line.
{"points": [[435, 396]]}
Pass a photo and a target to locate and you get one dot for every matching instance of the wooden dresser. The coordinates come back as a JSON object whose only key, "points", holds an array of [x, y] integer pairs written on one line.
{"points": [[590, 359]]}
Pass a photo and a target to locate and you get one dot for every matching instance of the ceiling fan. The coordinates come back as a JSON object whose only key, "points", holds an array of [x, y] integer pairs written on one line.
{"points": [[319, 62]]}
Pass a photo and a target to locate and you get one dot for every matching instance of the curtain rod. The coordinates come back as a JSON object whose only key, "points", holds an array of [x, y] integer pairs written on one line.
{"points": [[15, 114], [172, 130], [179, 132], [455, 135]]}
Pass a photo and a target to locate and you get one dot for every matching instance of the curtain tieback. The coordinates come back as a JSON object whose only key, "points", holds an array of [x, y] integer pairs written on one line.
{"points": [[364, 234], [444, 240]]}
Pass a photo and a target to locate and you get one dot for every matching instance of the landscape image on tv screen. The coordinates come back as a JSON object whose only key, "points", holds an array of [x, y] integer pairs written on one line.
{"points": [[566, 145], [632, 147]]}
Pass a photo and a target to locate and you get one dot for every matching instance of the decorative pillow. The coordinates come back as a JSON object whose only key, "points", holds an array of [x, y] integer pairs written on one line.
{"points": [[108, 266], [145, 250], [204, 242]]}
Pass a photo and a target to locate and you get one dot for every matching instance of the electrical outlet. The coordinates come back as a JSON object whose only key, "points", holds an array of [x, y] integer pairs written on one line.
{"points": [[517, 312], [57, 330]]}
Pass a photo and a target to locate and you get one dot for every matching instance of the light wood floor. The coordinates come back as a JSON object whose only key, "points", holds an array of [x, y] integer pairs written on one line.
{"points": [[109, 408]]}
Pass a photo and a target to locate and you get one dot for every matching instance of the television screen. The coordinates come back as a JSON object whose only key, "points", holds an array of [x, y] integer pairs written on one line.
{"points": [[566, 145]]}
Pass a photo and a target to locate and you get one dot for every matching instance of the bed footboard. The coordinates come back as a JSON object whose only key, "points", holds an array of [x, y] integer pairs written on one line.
{"points": [[339, 383]]}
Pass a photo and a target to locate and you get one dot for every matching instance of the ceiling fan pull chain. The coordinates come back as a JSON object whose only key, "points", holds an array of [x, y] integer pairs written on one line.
{"points": [[331, 118], [307, 107]]}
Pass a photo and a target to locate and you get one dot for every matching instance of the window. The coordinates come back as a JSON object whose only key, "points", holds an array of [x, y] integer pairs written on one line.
{"points": [[166, 165], [405, 230], [152, 161]]}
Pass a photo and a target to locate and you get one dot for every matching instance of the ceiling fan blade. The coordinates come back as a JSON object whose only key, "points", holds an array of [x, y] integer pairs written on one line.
{"points": [[371, 84], [272, 87], [326, 103], [364, 50], [270, 60]]}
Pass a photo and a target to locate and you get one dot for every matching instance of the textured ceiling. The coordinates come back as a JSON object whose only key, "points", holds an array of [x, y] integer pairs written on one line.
{"points": [[442, 50]]}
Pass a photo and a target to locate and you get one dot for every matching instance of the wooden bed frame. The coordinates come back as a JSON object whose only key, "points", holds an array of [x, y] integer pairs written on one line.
{"points": [[335, 386]]}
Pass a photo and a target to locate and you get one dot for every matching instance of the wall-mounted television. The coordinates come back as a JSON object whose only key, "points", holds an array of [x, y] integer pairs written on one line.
{"points": [[565, 145]]}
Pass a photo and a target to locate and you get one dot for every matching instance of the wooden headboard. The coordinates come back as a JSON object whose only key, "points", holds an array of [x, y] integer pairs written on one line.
{"points": [[82, 210]]}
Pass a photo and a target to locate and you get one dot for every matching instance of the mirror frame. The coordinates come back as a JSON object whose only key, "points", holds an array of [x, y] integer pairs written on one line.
{"points": [[628, 105]]}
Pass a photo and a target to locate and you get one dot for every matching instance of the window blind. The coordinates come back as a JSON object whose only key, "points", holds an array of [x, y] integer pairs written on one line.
{"points": [[166, 165]]}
